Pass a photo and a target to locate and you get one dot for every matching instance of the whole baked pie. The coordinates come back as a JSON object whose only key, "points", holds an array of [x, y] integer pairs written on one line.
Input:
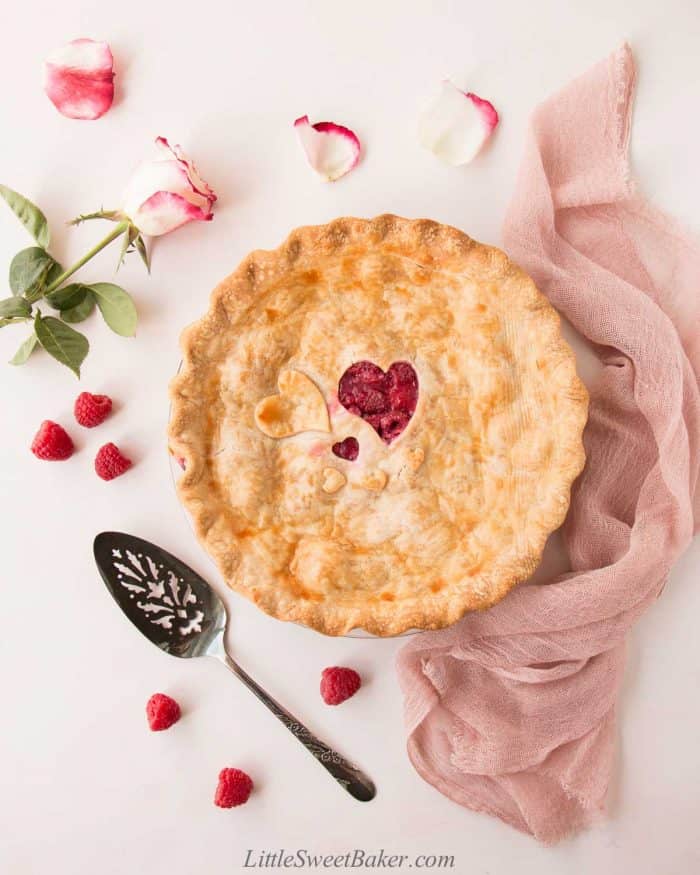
{"points": [[379, 424]]}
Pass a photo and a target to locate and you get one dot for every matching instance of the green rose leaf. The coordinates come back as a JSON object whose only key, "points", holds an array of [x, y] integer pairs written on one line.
{"points": [[12, 308], [29, 270], [67, 297], [117, 308], [80, 311], [29, 215], [64, 343], [27, 348], [44, 282]]}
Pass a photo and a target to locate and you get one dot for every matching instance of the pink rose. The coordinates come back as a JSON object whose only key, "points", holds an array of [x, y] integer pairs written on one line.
{"points": [[166, 193]]}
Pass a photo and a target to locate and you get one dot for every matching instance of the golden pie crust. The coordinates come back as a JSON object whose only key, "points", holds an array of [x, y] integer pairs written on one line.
{"points": [[448, 517]]}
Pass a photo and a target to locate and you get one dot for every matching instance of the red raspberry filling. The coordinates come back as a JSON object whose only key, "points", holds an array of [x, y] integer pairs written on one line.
{"points": [[348, 449], [386, 401]]}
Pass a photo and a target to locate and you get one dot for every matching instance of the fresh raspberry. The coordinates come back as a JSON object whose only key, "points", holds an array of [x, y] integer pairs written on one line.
{"points": [[52, 442], [110, 463], [339, 684], [91, 410], [162, 712], [348, 449], [233, 788]]}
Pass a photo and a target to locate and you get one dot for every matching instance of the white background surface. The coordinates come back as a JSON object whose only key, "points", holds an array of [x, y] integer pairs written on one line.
{"points": [[86, 787]]}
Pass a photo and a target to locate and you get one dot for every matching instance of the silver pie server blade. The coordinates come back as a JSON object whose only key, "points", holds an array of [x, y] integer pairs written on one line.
{"points": [[180, 613]]}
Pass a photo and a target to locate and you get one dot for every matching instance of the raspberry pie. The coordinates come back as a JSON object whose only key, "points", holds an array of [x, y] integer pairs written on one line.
{"points": [[380, 424]]}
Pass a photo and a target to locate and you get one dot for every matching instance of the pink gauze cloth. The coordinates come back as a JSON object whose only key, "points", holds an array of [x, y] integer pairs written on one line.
{"points": [[511, 711]]}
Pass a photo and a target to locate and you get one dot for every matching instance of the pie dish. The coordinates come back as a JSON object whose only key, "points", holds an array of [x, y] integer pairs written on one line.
{"points": [[379, 424]]}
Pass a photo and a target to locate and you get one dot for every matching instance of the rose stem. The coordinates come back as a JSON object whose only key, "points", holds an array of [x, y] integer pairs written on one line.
{"points": [[116, 232]]}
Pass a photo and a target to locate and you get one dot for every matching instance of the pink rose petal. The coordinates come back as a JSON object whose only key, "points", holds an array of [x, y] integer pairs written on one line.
{"points": [[332, 150], [165, 211], [79, 79], [195, 180], [456, 125]]}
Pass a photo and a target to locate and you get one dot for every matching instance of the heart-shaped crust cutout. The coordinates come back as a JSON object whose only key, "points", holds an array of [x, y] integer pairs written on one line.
{"points": [[299, 407], [386, 401], [348, 449], [333, 480]]}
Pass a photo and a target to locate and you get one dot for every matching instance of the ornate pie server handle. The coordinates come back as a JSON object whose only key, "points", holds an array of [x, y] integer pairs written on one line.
{"points": [[348, 776]]}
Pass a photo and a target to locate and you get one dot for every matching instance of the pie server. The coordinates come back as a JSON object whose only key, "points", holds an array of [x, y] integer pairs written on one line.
{"points": [[180, 613]]}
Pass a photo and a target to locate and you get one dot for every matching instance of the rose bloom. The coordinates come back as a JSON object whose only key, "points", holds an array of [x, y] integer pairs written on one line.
{"points": [[166, 193]]}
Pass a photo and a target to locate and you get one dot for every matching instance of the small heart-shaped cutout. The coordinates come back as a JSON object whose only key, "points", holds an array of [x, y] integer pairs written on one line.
{"points": [[333, 480], [298, 407], [386, 401], [348, 449]]}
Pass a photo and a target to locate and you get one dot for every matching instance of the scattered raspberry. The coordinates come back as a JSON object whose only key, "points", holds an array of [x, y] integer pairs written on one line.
{"points": [[91, 410], [348, 449], [339, 684], [52, 442], [110, 463], [386, 401], [233, 788], [162, 712]]}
